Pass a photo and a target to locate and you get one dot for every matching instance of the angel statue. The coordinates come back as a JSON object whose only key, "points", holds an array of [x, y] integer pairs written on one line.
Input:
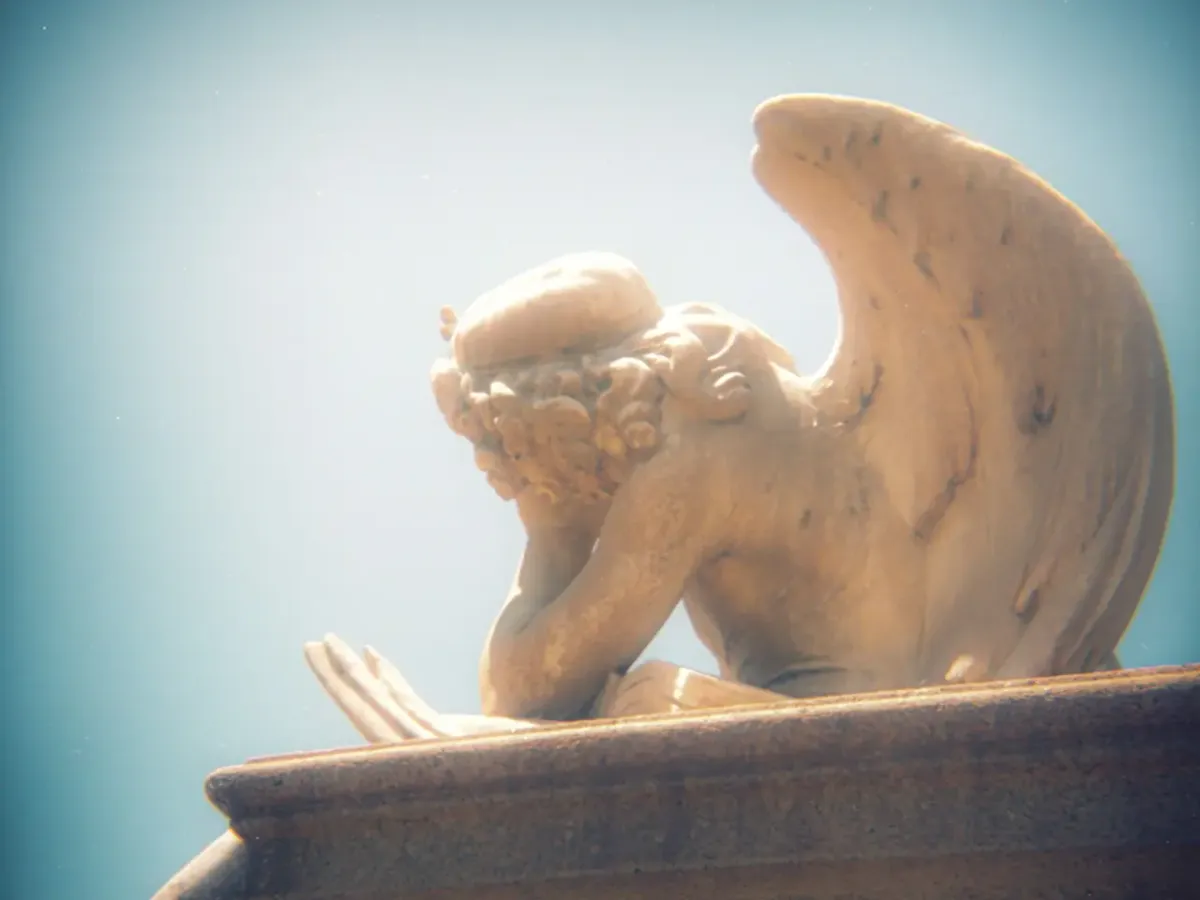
{"points": [[974, 487]]}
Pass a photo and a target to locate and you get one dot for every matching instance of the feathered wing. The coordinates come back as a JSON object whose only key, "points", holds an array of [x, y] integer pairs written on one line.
{"points": [[998, 366]]}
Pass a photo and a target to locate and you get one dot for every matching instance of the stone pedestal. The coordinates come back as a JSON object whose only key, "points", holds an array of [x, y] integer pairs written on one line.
{"points": [[1083, 786]]}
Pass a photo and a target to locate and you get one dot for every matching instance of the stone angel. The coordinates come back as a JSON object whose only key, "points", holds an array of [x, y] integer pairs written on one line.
{"points": [[975, 486]]}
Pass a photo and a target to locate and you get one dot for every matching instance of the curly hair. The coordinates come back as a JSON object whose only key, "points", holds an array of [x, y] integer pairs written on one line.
{"points": [[577, 425]]}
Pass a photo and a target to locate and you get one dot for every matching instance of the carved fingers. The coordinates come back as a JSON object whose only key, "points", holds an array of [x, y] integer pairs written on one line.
{"points": [[370, 703], [382, 705], [440, 724]]}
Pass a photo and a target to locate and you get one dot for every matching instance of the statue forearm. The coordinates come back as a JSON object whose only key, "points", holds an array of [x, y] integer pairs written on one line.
{"points": [[552, 559], [576, 614]]}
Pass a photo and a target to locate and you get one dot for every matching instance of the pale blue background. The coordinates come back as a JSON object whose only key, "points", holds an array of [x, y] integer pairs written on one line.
{"points": [[227, 231]]}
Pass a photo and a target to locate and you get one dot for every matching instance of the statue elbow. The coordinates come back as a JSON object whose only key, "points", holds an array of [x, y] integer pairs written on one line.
{"points": [[504, 705], [510, 687], [504, 690], [495, 699]]}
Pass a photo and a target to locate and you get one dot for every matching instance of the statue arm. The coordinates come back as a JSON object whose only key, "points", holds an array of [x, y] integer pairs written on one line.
{"points": [[575, 615]]}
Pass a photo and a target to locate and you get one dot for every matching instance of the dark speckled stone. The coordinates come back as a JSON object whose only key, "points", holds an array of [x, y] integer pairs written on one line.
{"points": [[1080, 786]]}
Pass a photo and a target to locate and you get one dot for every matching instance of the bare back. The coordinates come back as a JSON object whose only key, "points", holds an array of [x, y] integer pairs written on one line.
{"points": [[810, 586]]}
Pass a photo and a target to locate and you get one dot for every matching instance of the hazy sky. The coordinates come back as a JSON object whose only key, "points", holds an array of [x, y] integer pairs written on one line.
{"points": [[227, 232]]}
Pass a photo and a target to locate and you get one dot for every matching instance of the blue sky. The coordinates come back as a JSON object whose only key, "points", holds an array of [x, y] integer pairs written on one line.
{"points": [[227, 232]]}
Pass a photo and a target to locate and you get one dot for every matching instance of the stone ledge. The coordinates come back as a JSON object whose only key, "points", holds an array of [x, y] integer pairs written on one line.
{"points": [[1073, 786]]}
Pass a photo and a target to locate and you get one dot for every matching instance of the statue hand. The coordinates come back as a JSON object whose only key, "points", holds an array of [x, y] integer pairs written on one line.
{"points": [[380, 703], [540, 514]]}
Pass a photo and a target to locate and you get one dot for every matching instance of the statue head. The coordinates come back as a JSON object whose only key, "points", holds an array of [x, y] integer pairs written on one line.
{"points": [[561, 376]]}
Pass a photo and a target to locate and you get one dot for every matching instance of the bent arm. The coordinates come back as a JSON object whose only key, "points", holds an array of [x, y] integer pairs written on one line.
{"points": [[563, 630]]}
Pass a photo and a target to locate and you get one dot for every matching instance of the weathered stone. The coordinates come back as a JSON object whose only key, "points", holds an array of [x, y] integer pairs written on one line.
{"points": [[974, 489], [1076, 786]]}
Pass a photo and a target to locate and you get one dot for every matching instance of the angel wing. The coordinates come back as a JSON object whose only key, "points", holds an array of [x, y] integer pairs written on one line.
{"points": [[998, 365]]}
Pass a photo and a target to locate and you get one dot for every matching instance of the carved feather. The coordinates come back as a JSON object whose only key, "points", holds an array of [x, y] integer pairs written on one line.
{"points": [[1000, 367]]}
